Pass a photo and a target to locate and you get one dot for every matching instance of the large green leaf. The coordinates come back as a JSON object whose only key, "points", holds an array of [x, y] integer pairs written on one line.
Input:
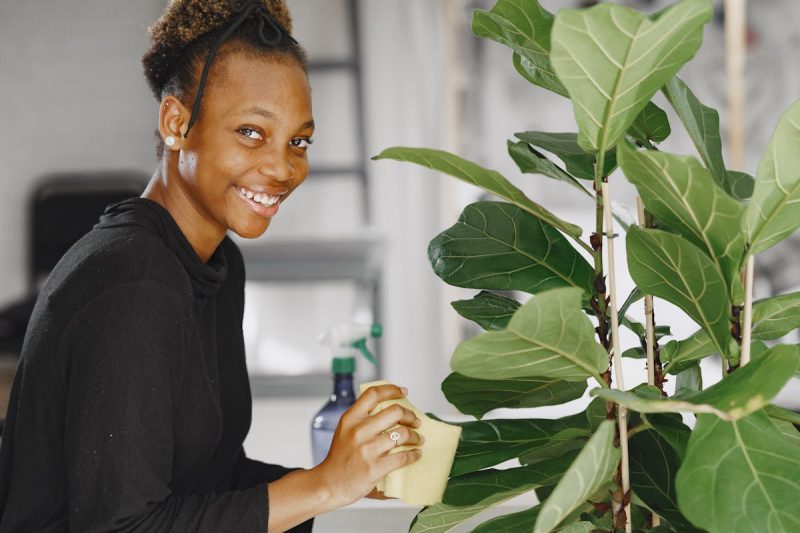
{"points": [[441, 517], [594, 415], [653, 467], [702, 124], [775, 317], [671, 428], [495, 245], [488, 310], [578, 527], [682, 354], [547, 337], [689, 379], [524, 521], [741, 184], [774, 210], [612, 60], [474, 487], [639, 329], [490, 442], [745, 391], [510, 523], [740, 477], [577, 161], [530, 161], [680, 192], [477, 397], [651, 124], [780, 413], [591, 470], [670, 267], [788, 430], [772, 318], [524, 26], [486, 179]]}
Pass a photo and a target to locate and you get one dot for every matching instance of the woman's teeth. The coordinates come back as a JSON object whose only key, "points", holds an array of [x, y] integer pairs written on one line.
{"points": [[263, 199]]}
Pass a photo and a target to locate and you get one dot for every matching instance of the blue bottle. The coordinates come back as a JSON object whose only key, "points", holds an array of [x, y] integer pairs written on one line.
{"points": [[345, 340], [326, 420]]}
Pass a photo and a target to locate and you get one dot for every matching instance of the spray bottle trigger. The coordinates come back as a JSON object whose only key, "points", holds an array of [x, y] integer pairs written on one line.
{"points": [[361, 346]]}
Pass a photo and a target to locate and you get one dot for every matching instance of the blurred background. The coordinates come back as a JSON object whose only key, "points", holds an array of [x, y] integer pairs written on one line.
{"points": [[77, 128]]}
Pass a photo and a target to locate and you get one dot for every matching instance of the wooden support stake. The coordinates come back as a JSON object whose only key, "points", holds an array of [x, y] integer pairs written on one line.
{"points": [[650, 337], [747, 321], [735, 60], [735, 57]]}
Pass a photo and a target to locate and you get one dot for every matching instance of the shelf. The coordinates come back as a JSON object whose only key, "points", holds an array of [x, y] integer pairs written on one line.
{"points": [[355, 257]]}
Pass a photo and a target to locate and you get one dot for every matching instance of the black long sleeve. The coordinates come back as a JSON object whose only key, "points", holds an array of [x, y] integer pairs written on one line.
{"points": [[131, 398], [128, 348]]}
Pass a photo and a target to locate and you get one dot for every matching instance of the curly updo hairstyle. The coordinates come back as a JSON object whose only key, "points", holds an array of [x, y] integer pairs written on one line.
{"points": [[187, 31]]}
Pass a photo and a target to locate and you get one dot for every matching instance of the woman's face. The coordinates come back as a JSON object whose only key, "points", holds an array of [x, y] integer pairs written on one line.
{"points": [[250, 142]]}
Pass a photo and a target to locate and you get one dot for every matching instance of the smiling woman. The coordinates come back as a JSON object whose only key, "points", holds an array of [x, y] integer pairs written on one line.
{"points": [[253, 135], [257, 122], [131, 398]]}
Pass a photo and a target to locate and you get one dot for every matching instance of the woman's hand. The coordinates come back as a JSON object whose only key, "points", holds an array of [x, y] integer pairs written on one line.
{"points": [[358, 456]]}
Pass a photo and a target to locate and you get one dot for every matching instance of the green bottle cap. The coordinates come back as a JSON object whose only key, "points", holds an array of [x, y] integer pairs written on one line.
{"points": [[343, 365]]}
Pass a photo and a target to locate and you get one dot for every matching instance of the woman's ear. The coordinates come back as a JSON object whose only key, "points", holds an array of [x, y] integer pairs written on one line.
{"points": [[173, 119]]}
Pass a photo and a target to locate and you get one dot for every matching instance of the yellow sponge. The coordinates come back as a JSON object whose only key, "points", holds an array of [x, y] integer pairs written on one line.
{"points": [[422, 482]]}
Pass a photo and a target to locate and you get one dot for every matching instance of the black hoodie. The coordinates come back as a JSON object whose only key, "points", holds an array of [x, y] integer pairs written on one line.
{"points": [[131, 398]]}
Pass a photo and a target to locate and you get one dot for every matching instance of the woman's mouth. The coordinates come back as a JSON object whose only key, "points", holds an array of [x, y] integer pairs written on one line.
{"points": [[263, 204]]}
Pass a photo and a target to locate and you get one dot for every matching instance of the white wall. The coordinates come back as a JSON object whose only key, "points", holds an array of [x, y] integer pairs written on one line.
{"points": [[72, 97]]}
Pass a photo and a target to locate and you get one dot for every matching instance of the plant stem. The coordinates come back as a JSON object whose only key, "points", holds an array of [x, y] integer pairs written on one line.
{"points": [[599, 303], [748, 310], [621, 409]]}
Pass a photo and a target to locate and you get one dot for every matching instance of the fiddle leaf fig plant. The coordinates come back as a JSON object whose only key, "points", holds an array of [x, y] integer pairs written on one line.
{"points": [[638, 458]]}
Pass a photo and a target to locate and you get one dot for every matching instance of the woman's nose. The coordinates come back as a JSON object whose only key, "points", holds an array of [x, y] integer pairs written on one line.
{"points": [[277, 166]]}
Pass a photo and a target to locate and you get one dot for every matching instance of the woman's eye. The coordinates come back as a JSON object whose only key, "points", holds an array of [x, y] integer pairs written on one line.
{"points": [[250, 133], [301, 142]]}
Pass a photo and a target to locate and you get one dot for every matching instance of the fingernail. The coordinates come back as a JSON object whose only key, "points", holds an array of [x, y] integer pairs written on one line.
{"points": [[405, 390], [421, 440], [417, 422]]}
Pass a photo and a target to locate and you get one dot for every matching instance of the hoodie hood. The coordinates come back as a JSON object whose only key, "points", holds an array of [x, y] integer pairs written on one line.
{"points": [[145, 213]]}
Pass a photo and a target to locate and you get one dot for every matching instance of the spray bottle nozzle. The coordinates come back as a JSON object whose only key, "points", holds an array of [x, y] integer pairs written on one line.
{"points": [[347, 337], [376, 330]]}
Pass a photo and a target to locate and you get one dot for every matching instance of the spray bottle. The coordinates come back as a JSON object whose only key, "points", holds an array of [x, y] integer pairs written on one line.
{"points": [[345, 340]]}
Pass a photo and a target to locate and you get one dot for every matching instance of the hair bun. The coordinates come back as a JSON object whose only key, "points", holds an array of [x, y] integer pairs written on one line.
{"points": [[184, 22]]}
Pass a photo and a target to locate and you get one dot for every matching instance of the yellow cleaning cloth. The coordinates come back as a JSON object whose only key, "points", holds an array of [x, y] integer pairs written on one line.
{"points": [[422, 482]]}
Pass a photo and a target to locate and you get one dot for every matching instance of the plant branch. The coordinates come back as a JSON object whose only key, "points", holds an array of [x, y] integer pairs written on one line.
{"points": [[599, 302], [617, 352]]}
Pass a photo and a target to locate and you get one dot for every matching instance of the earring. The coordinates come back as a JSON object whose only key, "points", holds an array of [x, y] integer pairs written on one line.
{"points": [[169, 141]]}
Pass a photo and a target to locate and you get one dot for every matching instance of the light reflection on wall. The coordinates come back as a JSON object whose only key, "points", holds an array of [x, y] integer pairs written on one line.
{"points": [[282, 321]]}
